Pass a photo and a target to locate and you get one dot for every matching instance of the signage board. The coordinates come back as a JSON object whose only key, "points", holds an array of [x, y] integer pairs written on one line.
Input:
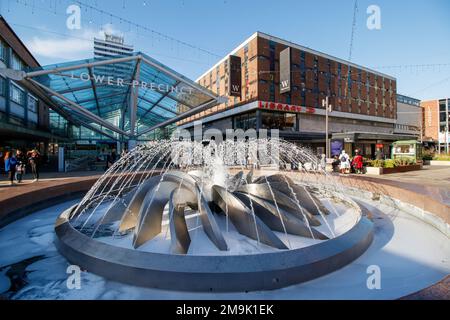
{"points": [[235, 78], [285, 70], [284, 107]]}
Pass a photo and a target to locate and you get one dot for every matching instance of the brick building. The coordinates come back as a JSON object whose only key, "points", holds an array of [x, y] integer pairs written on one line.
{"points": [[25, 116], [364, 101]]}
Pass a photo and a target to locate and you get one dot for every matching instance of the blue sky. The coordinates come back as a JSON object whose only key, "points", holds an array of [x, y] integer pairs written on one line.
{"points": [[412, 42]]}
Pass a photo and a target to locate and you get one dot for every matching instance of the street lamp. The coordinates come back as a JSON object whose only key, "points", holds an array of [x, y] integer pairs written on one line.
{"points": [[328, 109]]}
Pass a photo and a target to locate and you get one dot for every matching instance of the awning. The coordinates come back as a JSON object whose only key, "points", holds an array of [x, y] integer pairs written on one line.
{"points": [[355, 136]]}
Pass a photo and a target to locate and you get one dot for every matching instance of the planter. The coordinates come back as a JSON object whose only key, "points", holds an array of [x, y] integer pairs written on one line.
{"points": [[374, 170], [439, 163], [412, 167], [380, 171]]}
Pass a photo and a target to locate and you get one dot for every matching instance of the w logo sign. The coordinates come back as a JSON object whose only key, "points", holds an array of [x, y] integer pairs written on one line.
{"points": [[285, 84], [235, 88]]}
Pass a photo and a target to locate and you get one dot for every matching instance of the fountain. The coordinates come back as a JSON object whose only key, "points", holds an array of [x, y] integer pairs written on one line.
{"points": [[201, 216]]}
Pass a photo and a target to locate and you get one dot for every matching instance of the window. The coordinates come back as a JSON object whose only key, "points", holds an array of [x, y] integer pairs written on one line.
{"points": [[3, 49], [32, 103], [2, 86], [17, 94], [16, 63], [279, 120], [245, 121]]}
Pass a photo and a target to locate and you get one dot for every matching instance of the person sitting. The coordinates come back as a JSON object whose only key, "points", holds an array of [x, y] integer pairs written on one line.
{"points": [[336, 163]]}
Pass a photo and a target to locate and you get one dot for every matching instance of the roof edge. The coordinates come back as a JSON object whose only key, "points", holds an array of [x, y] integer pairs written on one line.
{"points": [[294, 45]]}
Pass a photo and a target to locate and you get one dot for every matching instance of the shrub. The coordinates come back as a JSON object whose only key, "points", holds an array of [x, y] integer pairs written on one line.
{"points": [[376, 163], [404, 162], [442, 157], [427, 156], [389, 164]]}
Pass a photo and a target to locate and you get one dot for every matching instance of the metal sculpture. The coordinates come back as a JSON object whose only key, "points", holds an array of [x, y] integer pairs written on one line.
{"points": [[273, 203]]}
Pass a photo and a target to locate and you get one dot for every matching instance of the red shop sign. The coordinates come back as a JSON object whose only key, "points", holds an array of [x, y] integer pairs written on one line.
{"points": [[284, 107]]}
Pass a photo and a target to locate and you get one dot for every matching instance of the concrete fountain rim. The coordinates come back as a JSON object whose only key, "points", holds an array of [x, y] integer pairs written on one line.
{"points": [[221, 273]]}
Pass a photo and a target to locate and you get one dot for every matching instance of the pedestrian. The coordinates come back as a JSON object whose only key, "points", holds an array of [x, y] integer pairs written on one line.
{"points": [[20, 166], [110, 159], [323, 162], [113, 156], [33, 160], [357, 162], [108, 163], [10, 166], [336, 163], [345, 162]]}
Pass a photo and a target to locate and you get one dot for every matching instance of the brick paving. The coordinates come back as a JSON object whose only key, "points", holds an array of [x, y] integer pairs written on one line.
{"points": [[433, 182]]}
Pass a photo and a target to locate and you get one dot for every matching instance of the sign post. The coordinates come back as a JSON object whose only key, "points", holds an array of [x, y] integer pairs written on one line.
{"points": [[328, 108], [61, 160]]}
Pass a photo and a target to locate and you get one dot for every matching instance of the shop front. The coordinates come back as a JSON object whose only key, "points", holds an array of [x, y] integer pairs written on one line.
{"points": [[371, 145]]}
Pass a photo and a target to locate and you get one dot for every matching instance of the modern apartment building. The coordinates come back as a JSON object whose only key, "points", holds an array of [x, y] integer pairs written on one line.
{"points": [[111, 46], [275, 84], [409, 116]]}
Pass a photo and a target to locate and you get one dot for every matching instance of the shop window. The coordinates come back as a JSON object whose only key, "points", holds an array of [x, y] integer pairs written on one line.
{"points": [[245, 121], [279, 120]]}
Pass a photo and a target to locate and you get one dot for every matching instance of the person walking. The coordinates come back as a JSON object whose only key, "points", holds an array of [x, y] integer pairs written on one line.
{"points": [[10, 166], [33, 159], [113, 155], [20, 166], [110, 159], [345, 162], [323, 162]]}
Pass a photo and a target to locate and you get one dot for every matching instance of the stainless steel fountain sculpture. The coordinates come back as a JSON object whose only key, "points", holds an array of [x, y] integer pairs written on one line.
{"points": [[262, 208]]}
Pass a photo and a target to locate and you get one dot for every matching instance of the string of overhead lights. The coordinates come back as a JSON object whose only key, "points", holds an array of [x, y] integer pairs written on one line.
{"points": [[90, 40], [54, 7], [144, 28], [435, 84]]}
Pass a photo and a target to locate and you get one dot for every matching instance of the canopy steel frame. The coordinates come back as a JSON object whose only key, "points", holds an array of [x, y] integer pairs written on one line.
{"points": [[134, 94], [158, 106], [77, 108], [131, 99], [94, 89], [182, 116]]}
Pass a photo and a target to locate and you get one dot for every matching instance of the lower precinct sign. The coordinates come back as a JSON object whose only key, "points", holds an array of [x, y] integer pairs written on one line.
{"points": [[284, 107]]}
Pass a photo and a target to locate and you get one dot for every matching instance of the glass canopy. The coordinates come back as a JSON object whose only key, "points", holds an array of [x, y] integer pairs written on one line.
{"points": [[124, 96]]}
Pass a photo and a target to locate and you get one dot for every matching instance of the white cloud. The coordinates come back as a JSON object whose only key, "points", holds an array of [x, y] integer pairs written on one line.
{"points": [[73, 47]]}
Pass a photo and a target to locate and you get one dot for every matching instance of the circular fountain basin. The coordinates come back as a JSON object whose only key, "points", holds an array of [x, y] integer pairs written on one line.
{"points": [[410, 253], [244, 272]]}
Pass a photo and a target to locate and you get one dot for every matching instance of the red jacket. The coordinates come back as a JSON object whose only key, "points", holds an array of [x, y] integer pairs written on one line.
{"points": [[357, 161]]}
